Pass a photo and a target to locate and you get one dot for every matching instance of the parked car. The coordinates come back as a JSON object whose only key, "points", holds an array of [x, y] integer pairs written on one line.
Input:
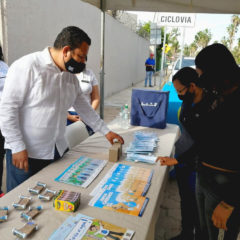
{"points": [[186, 62]]}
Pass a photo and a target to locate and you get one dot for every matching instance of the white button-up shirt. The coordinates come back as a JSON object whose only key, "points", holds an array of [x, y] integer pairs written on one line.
{"points": [[33, 109]]}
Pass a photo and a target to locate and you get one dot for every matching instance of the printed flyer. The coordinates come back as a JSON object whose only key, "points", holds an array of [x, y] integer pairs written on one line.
{"points": [[88, 228], [82, 172], [125, 178], [122, 202], [123, 189]]}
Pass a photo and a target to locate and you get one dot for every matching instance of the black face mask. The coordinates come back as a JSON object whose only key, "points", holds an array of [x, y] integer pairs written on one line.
{"points": [[73, 66], [187, 97]]}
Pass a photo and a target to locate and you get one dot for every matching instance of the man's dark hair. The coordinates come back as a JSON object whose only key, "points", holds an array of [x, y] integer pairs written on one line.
{"points": [[186, 76], [1, 54], [71, 36]]}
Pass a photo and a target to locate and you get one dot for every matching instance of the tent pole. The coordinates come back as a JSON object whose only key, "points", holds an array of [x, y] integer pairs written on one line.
{"points": [[163, 56], [102, 58]]}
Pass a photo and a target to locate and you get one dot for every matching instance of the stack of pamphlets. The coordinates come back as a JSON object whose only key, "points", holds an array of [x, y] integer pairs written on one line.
{"points": [[123, 189], [133, 157], [142, 147], [82, 172], [88, 228]]}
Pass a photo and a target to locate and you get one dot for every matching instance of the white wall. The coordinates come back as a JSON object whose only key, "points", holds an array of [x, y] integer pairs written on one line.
{"points": [[32, 25], [1, 23], [3, 28], [126, 53]]}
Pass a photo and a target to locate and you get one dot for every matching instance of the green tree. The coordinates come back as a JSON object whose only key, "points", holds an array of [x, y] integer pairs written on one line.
{"points": [[232, 30], [144, 30], [236, 52], [173, 43], [171, 40], [193, 49], [190, 50], [186, 51], [202, 38], [224, 41], [160, 47]]}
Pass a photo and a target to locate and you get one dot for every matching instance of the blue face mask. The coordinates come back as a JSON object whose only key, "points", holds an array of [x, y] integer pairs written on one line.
{"points": [[73, 66]]}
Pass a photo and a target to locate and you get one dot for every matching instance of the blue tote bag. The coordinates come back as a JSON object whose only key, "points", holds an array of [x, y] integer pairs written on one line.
{"points": [[149, 108]]}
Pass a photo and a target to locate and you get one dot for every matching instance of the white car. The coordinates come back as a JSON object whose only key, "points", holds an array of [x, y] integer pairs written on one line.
{"points": [[186, 62]]}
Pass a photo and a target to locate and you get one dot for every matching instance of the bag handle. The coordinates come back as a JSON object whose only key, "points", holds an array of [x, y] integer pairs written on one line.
{"points": [[152, 114]]}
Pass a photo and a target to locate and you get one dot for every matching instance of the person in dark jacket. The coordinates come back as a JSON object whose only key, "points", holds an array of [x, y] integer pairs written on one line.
{"points": [[184, 82], [215, 142]]}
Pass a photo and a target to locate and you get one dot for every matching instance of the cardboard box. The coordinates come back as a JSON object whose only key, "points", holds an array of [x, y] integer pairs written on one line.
{"points": [[115, 152], [67, 201]]}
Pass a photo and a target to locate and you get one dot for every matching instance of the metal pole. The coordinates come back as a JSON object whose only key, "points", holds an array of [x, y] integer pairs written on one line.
{"points": [[182, 46], [162, 60], [102, 59], [155, 56], [155, 46]]}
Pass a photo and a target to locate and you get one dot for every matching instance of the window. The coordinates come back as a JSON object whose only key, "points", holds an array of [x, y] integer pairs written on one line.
{"points": [[185, 63]]}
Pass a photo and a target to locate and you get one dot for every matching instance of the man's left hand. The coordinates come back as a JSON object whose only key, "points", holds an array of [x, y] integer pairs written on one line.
{"points": [[221, 214], [112, 135]]}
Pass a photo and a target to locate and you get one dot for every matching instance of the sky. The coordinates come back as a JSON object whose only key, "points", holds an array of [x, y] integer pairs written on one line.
{"points": [[217, 23]]}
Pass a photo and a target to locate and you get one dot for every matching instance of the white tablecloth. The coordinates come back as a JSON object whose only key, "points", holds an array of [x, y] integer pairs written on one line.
{"points": [[96, 146]]}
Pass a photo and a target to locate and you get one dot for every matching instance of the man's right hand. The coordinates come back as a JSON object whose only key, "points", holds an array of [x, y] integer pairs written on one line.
{"points": [[20, 160], [74, 118]]}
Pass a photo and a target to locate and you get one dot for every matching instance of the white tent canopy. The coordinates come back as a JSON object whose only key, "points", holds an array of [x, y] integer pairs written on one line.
{"points": [[188, 6], [183, 6]]}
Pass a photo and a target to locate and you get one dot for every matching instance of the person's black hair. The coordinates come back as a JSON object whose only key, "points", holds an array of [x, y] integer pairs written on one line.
{"points": [[71, 36], [92, 226], [1, 54], [220, 70], [186, 76]]}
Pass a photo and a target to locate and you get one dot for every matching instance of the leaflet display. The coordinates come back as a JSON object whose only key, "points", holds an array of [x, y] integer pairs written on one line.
{"points": [[142, 147], [82, 172], [88, 228], [123, 189]]}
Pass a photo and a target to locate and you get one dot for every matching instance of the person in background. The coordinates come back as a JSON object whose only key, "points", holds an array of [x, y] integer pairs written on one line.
{"points": [[33, 114], [150, 64], [89, 86], [3, 73], [184, 82]]}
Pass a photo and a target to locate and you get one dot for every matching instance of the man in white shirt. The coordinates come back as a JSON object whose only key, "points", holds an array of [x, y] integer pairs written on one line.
{"points": [[40, 88]]}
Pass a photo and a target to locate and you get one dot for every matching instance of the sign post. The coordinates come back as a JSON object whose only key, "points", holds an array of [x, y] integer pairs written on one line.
{"points": [[182, 46], [162, 59], [175, 20], [155, 39]]}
